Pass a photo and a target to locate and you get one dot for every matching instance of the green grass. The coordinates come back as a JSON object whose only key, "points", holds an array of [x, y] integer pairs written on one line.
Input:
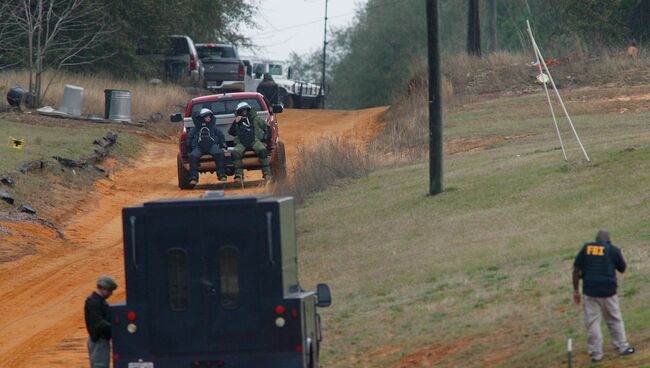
{"points": [[485, 266], [43, 142]]}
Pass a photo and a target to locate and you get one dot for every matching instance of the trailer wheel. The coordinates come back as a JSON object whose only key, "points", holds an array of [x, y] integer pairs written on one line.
{"points": [[279, 167], [183, 175]]}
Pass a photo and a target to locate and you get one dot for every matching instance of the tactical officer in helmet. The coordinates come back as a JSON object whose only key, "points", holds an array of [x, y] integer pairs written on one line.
{"points": [[596, 264], [205, 138], [249, 131], [98, 322]]}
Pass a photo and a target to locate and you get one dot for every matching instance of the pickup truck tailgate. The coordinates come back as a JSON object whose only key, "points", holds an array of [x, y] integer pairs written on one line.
{"points": [[222, 69]]}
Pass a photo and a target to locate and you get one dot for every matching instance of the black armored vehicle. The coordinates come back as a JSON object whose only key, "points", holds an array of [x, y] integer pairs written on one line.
{"points": [[213, 282]]}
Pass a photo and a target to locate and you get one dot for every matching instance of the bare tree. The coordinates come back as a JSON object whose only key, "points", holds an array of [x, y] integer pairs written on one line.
{"points": [[54, 34]]}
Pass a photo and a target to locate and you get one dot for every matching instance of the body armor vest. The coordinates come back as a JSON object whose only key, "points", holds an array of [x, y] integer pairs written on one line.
{"points": [[206, 140], [598, 266], [247, 131]]}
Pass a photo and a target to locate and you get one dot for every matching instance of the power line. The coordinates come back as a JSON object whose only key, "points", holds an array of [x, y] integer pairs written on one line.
{"points": [[335, 16]]}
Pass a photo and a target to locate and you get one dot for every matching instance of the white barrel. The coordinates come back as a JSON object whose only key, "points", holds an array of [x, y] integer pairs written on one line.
{"points": [[118, 104], [72, 100]]}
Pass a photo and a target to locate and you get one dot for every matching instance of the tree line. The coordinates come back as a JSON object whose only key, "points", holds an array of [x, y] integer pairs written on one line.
{"points": [[368, 64], [370, 61], [104, 36]]}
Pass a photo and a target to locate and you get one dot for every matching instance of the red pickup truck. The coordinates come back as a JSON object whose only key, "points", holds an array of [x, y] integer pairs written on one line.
{"points": [[223, 106]]}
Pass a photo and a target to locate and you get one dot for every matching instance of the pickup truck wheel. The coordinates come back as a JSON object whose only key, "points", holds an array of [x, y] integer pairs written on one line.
{"points": [[279, 166], [183, 175]]}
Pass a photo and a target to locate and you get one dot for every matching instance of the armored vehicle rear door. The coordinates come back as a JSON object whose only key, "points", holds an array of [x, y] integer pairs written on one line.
{"points": [[200, 297], [231, 257], [174, 275]]}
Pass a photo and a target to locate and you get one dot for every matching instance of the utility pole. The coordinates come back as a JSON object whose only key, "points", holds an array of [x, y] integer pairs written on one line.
{"points": [[436, 150], [322, 81], [492, 5], [473, 29]]}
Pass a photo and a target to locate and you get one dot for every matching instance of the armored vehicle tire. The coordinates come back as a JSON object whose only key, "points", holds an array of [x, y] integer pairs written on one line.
{"points": [[287, 100], [183, 175], [279, 167]]}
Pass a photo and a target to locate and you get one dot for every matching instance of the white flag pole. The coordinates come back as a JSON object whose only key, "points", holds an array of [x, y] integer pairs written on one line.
{"points": [[548, 96], [560, 98]]}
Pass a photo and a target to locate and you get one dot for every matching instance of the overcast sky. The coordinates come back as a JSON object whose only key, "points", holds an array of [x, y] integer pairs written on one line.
{"points": [[296, 25]]}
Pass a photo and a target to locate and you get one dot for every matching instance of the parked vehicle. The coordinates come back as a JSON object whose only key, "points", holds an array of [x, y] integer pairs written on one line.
{"points": [[221, 67], [173, 58], [223, 106], [213, 282], [293, 93]]}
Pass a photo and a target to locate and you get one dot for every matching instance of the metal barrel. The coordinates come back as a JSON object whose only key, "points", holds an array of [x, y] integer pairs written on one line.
{"points": [[72, 100], [16, 96], [118, 105]]}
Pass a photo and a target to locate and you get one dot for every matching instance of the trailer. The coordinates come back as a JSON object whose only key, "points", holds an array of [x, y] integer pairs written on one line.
{"points": [[213, 282]]}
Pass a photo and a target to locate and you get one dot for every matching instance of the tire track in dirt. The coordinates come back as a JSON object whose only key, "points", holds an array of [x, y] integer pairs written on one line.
{"points": [[41, 314]]}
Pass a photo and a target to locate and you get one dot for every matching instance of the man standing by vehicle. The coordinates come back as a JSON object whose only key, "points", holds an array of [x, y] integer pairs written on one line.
{"points": [[98, 323], [269, 89], [205, 138], [249, 131], [596, 264]]}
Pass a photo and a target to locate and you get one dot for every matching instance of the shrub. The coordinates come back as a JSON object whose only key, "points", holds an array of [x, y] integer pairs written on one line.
{"points": [[320, 165]]}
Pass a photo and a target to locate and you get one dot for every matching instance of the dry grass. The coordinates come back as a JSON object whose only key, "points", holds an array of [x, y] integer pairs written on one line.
{"points": [[322, 164], [147, 99], [497, 72], [406, 125]]}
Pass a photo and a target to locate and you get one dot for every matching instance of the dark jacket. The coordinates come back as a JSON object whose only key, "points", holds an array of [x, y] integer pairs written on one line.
{"points": [[254, 129], [98, 317], [194, 134], [269, 89]]}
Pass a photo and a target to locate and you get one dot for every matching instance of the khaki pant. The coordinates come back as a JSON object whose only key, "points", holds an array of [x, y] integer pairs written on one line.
{"points": [[100, 353], [608, 307]]}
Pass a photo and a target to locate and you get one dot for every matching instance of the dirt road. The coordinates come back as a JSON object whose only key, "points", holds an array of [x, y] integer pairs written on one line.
{"points": [[45, 276]]}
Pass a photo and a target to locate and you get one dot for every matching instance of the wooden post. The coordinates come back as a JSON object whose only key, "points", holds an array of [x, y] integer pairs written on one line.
{"points": [[436, 150]]}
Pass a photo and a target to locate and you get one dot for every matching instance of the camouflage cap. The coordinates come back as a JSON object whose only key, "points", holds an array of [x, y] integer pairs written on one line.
{"points": [[106, 282]]}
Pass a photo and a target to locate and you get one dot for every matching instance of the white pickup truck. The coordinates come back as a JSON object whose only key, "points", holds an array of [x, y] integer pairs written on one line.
{"points": [[293, 93]]}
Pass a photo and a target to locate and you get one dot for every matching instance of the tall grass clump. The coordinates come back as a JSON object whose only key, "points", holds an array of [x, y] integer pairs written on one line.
{"points": [[610, 65], [147, 98], [320, 165], [405, 125], [496, 72]]}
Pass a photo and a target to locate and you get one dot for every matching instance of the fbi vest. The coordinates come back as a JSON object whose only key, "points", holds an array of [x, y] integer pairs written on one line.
{"points": [[598, 266]]}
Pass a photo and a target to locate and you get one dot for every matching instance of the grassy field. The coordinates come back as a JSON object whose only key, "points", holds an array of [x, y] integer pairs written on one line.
{"points": [[56, 187], [43, 142], [480, 275]]}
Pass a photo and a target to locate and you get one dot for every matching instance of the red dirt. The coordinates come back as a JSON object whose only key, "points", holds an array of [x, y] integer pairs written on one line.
{"points": [[44, 278]]}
